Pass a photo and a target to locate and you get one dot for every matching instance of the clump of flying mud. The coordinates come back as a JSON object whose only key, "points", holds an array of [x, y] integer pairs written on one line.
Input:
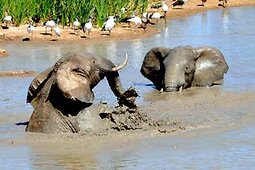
{"points": [[128, 116]]}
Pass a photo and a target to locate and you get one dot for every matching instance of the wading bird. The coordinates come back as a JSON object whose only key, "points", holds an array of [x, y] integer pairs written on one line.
{"points": [[76, 25], [88, 27], [36, 19], [30, 29], [157, 16], [51, 24], [136, 20], [57, 30], [109, 24], [7, 19], [146, 20], [222, 3], [165, 7]]}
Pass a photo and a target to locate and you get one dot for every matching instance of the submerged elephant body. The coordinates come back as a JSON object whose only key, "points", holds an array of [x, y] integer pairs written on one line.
{"points": [[65, 89], [183, 67]]}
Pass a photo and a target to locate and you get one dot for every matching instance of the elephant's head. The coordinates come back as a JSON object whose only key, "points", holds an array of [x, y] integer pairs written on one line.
{"points": [[184, 66], [67, 86]]}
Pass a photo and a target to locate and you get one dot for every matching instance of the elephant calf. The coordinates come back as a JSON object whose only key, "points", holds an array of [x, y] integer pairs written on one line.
{"points": [[184, 66], [65, 89]]}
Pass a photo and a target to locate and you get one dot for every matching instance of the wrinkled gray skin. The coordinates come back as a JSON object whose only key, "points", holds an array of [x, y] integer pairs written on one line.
{"points": [[183, 67], [65, 89]]}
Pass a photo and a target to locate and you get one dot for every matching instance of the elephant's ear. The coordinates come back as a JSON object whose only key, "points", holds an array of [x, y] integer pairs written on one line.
{"points": [[38, 83], [160, 52], [153, 60], [210, 67], [73, 78]]}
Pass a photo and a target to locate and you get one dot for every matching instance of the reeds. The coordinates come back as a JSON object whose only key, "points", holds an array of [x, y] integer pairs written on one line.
{"points": [[65, 11]]}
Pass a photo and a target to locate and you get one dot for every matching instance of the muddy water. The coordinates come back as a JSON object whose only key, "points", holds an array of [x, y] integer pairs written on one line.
{"points": [[212, 128]]}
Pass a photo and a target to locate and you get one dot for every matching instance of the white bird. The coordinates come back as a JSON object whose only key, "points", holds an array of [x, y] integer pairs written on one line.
{"points": [[57, 30], [137, 20], [165, 7], [146, 20], [76, 25], [51, 24], [109, 24], [88, 27], [30, 29], [157, 16], [7, 19]]}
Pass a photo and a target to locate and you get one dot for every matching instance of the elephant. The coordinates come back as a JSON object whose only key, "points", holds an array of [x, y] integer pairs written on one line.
{"points": [[173, 69], [63, 90]]}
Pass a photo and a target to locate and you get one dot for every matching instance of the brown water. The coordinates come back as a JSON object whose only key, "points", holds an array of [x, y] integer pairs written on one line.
{"points": [[213, 127]]}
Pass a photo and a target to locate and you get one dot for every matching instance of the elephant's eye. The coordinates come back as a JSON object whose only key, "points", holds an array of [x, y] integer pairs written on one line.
{"points": [[187, 69], [80, 72]]}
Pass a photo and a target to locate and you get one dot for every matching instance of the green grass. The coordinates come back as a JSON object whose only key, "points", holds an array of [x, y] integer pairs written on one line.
{"points": [[65, 11]]}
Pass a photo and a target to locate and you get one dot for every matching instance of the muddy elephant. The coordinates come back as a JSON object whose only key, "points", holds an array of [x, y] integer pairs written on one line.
{"points": [[62, 91], [172, 69]]}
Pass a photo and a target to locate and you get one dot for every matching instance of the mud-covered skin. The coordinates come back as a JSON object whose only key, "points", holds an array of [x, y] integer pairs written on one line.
{"points": [[183, 67], [62, 91]]}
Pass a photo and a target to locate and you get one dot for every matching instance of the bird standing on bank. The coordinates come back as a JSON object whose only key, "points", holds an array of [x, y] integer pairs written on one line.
{"points": [[36, 19], [57, 30], [76, 25], [157, 16], [109, 24], [222, 3], [30, 29], [51, 24], [136, 20], [88, 27], [165, 7], [7, 19], [146, 20]]}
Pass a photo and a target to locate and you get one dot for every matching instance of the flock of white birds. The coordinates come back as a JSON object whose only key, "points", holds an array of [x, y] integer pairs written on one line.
{"points": [[109, 24]]}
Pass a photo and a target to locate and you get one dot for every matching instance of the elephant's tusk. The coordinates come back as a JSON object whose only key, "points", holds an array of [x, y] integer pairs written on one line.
{"points": [[180, 89], [117, 68]]}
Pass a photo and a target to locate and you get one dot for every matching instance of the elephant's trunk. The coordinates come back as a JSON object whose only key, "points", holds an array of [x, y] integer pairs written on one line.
{"points": [[114, 79], [174, 79], [173, 87], [115, 83]]}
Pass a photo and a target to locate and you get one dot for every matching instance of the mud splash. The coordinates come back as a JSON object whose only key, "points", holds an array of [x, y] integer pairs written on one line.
{"points": [[124, 117]]}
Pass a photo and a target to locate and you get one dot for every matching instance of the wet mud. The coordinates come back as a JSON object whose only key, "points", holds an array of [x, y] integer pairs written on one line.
{"points": [[18, 73], [166, 112]]}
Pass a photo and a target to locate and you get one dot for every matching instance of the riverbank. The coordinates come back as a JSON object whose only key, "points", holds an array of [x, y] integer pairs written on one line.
{"points": [[119, 32]]}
